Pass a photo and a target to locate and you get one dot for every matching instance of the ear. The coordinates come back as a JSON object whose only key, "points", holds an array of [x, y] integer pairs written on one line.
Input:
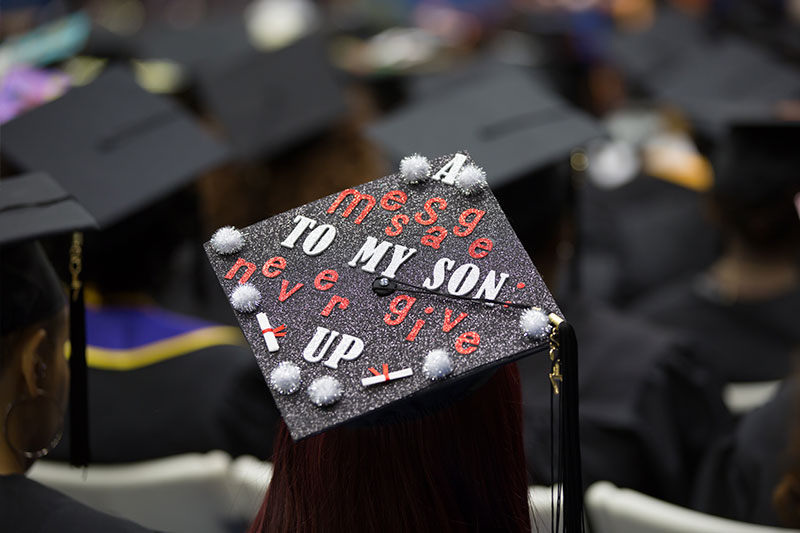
{"points": [[29, 351]]}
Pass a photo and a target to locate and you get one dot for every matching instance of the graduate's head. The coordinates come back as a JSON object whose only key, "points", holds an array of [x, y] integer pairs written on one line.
{"points": [[461, 463], [757, 183], [34, 377]]}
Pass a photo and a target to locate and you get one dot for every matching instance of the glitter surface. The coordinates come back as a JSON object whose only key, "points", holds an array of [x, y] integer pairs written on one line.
{"points": [[501, 340]]}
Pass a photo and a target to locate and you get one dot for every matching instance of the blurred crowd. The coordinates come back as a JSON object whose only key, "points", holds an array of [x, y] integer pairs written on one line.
{"points": [[646, 152]]}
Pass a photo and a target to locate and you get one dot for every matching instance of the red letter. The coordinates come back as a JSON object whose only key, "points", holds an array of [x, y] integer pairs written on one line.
{"points": [[279, 263], [434, 237], [471, 339], [251, 268], [326, 275], [480, 244], [428, 207], [415, 330], [357, 198], [401, 312], [397, 223], [335, 300], [448, 314], [399, 197], [469, 226], [285, 295]]}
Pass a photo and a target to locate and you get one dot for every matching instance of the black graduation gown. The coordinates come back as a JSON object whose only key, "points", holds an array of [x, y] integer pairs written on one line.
{"points": [[29, 507], [196, 400], [741, 341], [646, 412], [640, 235], [742, 469]]}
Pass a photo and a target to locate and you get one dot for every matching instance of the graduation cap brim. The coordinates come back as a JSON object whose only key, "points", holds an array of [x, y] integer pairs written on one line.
{"points": [[509, 123], [114, 147], [728, 80], [35, 206], [266, 101], [303, 306], [648, 56]]}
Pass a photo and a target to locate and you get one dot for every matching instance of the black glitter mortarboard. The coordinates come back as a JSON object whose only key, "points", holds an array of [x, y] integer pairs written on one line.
{"points": [[389, 296]]}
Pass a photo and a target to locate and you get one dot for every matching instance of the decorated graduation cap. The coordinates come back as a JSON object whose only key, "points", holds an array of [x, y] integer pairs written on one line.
{"points": [[97, 154], [265, 100], [510, 122], [386, 294]]}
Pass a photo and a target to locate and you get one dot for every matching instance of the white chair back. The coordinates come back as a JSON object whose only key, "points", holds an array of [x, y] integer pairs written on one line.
{"points": [[742, 398], [614, 510], [184, 493], [248, 479]]}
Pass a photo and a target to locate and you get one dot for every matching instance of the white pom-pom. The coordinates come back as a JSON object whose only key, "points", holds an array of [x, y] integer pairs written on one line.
{"points": [[245, 298], [227, 240], [471, 180], [414, 169], [325, 390], [437, 365], [534, 323], [285, 378]]}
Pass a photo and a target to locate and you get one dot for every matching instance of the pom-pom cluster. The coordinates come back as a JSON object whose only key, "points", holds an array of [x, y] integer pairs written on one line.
{"points": [[414, 169], [325, 390], [534, 323], [437, 365], [285, 378], [245, 298], [227, 240], [471, 180]]}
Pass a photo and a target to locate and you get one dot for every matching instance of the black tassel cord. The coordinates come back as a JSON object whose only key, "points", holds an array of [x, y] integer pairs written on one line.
{"points": [[78, 392], [564, 379]]}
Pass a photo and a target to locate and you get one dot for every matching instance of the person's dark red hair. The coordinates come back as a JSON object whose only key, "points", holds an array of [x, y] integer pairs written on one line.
{"points": [[459, 468]]}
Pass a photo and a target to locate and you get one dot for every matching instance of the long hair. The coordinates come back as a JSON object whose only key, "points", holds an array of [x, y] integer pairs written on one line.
{"points": [[460, 468]]}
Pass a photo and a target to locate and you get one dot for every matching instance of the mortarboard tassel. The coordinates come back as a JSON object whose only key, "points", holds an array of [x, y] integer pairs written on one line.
{"points": [[564, 380], [78, 393]]}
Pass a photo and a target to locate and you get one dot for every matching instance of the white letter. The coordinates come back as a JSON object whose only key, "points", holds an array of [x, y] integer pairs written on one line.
{"points": [[319, 239], [348, 348], [313, 344], [468, 273], [489, 288], [398, 258], [371, 254], [303, 224], [447, 174], [438, 273]]}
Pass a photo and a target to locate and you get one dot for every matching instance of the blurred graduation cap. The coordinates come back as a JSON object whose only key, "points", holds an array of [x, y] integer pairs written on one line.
{"points": [[97, 154], [112, 145], [648, 55], [509, 122], [377, 302], [266, 101], [728, 80], [758, 159]]}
